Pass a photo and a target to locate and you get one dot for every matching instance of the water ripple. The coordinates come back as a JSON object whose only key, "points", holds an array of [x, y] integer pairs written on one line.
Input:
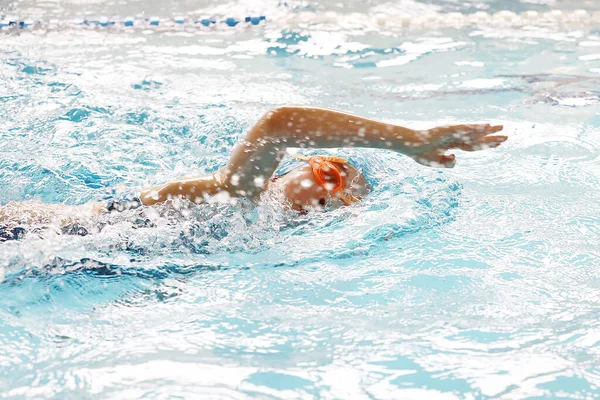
{"points": [[476, 282]]}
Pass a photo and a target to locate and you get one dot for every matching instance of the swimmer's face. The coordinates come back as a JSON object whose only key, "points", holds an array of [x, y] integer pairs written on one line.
{"points": [[303, 193]]}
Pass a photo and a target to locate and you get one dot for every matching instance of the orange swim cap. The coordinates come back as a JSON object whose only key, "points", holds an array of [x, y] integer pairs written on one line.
{"points": [[329, 176]]}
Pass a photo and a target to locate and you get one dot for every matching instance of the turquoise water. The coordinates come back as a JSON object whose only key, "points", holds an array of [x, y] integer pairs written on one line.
{"points": [[476, 282]]}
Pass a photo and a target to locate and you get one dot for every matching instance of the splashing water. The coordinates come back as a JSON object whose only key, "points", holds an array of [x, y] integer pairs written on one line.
{"points": [[475, 282]]}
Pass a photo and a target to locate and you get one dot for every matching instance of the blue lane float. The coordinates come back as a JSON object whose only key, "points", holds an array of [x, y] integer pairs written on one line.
{"points": [[206, 21], [255, 20], [573, 19], [231, 21], [8, 23]]}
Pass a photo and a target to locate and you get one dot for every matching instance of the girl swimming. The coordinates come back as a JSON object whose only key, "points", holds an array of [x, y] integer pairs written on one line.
{"points": [[322, 181]]}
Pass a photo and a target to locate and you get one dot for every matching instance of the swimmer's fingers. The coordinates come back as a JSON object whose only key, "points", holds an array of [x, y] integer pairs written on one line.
{"points": [[482, 129], [465, 137], [447, 160], [492, 129], [436, 159], [482, 143], [465, 130], [455, 134]]}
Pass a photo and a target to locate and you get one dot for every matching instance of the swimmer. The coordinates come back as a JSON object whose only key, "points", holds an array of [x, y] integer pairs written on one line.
{"points": [[323, 181]]}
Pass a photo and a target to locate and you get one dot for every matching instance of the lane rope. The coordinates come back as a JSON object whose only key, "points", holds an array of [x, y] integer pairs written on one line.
{"points": [[306, 19]]}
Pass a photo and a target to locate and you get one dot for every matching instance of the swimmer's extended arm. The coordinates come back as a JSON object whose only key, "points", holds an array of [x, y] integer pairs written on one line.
{"points": [[256, 158]]}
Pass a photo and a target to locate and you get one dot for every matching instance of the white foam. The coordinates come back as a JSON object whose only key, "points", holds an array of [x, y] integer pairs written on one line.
{"points": [[415, 50], [402, 60], [577, 101], [589, 43], [470, 63], [482, 83], [590, 57], [577, 18]]}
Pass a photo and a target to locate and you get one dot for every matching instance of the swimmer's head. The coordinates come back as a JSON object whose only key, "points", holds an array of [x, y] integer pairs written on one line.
{"points": [[324, 182]]}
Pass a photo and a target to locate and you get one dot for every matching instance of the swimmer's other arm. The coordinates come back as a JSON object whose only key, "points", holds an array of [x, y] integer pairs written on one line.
{"points": [[256, 158]]}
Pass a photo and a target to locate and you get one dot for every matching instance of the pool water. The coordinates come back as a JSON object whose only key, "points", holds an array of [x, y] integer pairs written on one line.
{"points": [[478, 282]]}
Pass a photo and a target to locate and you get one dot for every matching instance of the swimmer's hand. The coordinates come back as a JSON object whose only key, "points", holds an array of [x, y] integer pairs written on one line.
{"points": [[431, 145]]}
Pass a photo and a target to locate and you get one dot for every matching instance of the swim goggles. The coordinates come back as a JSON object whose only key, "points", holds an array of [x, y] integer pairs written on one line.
{"points": [[330, 176]]}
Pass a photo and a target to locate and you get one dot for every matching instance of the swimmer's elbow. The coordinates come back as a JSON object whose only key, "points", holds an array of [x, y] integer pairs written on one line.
{"points": [[277, 119], [151, 196], [278, 113]]}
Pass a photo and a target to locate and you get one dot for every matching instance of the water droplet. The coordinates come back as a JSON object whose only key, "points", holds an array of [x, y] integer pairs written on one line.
{"points": [[306, 183]]}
